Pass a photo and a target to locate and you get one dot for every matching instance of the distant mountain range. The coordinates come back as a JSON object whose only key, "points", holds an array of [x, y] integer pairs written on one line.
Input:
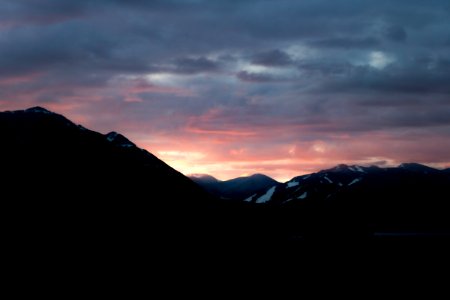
{"points": [[73, 188], [348, 200], [329, 183], [234, 189], [408, 199]]}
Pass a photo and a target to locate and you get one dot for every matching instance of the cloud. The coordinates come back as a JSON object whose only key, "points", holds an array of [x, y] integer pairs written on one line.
{"points": [[273, 58], [425, 77], [347, 42], [367, 81], [256, 77], [379, 60], [396, 33], [324, 67], [195, 65]]}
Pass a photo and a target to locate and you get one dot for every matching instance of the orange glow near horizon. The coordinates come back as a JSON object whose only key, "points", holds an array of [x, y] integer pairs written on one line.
{"points": [[226, 145], [227, 154], [211, 160]]}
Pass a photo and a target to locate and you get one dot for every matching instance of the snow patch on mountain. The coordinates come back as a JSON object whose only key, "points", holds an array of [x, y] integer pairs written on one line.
{"points": [[249, 199], [303, 196], [112, 136], [354, 181], [119, 140], [359, 169], [38, 109], [267, 196], [291, 184]]}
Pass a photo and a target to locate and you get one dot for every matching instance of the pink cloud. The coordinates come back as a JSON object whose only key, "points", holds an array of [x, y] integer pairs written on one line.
{"points": [[223, 141]]}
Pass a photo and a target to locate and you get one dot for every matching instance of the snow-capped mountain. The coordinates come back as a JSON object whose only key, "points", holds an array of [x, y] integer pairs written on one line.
{"points": [[411, 197], [315, 186], [234, 189], [328, 183]]}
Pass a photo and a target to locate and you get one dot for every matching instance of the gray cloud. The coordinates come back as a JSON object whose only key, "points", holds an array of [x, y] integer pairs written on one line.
{"points": [[396, 33], [404, 78], [195, 65], [347, 42], [324, 67], [273, 58], [257, 77]]}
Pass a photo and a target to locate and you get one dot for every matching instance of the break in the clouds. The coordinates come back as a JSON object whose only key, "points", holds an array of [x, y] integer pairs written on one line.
{"points": [[237, 87]]}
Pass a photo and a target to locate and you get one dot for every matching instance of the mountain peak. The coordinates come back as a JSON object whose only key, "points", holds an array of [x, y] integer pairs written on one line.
{"points": [[416, 167], [236, 188], [340, 167], [38, 109], [118, 139], [205, 178], [254, 178], [259, 175], [111, 136]]}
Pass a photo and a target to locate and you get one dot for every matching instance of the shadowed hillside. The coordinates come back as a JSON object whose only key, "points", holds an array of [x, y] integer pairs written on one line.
{"points": [[237, 188]]}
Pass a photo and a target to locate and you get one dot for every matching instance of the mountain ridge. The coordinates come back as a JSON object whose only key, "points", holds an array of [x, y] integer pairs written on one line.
{"points": [[357, 172], [236, 188], [65, 185]]}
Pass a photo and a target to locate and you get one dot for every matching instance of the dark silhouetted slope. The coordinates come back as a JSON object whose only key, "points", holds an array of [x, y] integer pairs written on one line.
{"points": [[51, 153], [237, 188], [72, 188], [363, 201]]}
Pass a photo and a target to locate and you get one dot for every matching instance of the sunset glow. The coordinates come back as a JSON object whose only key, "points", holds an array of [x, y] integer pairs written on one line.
{"points": [[230, 88]]}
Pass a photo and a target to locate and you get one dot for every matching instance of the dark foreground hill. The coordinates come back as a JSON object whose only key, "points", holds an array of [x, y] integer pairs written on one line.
{"points": [[235, 189], [69, 188]]}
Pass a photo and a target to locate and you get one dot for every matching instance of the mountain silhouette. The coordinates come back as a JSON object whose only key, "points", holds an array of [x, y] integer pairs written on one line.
{"points": [[36, 140], [71, 188], [237, 188], [364, 201]]}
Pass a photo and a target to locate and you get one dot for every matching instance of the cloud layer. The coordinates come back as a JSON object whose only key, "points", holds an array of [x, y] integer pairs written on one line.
{"points": [[236, 87]]}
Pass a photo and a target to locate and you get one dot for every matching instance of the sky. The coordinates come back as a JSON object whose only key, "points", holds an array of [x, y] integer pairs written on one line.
{"points": [[232, 88]]}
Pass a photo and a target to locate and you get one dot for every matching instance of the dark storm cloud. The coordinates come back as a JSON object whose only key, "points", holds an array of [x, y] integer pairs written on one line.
{"points": [[273, 58], [347, 42], [194, 65], [41, 11], [396, 33], [31, 49], [426, 78], [257, 77], [107, 38], [324, 67]]}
